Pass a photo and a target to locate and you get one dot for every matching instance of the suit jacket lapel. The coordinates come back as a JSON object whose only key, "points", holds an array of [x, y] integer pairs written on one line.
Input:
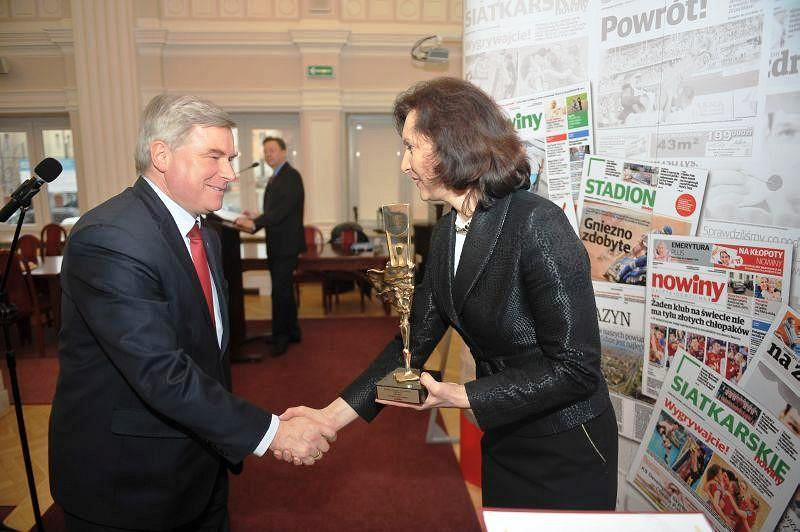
{"points": [[481, 239], [174, 241], [215, 265], [446, 269]]}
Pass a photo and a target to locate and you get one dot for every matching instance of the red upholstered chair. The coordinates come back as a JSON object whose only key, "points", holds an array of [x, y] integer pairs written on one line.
{"points": [[54, 238], [314, 244], [29, 247], [314, 238], [34, 309]]}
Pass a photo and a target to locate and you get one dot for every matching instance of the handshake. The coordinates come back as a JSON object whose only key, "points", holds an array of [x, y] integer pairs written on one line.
{"points": [[304, 435]]}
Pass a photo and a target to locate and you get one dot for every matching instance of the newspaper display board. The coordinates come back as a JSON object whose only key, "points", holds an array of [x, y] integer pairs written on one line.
{"points": [[745, 232], [775, 374], [691, 83], [713, 447], [620, 204], [713, 299], [556, 128]]}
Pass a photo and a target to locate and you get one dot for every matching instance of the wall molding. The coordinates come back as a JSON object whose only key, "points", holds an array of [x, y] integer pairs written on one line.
{"points": [[192, 38], [368, 101], [38, 101]]}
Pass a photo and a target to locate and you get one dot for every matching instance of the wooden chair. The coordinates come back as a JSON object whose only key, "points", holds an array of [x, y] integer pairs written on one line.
{"points": [[54, 238], [314, 242], [34, 307]]}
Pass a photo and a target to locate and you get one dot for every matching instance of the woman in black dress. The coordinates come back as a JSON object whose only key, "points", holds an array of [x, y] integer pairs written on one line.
{"points": [[508, 272]]}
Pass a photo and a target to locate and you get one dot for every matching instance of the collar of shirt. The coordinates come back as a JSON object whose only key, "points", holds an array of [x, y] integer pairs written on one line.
{"points": [[278, 169], [183, 219]]}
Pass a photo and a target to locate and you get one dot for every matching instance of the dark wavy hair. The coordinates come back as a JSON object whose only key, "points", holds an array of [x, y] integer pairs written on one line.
{"points": [[475, 146]]}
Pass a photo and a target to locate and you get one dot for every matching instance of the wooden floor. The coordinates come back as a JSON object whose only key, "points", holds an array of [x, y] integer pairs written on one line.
{"points": [[13, 484]]}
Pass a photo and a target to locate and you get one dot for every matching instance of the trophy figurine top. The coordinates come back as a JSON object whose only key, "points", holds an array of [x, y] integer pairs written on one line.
{"points": [[396, 283]]}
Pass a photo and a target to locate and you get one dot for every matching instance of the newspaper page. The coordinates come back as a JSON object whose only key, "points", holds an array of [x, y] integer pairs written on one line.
{"points": [[621, 337], [775, 374], [713, 299], [713, 447], [760, 233], [521, 48], [556, 128], [704, 84], [620, 204]]}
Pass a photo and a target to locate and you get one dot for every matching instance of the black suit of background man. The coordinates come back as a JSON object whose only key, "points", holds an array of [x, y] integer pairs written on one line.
{"points": [[282, 217]]}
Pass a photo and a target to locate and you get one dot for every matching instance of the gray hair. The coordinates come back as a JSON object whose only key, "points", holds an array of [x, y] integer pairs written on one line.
{"points": [[170, 118]]}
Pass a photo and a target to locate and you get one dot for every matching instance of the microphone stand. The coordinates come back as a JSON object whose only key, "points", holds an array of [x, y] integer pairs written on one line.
{"points": [[8, 316]]}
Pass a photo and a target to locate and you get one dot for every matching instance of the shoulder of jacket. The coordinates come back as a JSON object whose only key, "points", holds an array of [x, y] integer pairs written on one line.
{"points": [[124, 212], [533, 205]]}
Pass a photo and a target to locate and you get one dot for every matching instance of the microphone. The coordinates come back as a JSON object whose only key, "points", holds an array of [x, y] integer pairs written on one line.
{"points": [[246, 168], [45, 172]]}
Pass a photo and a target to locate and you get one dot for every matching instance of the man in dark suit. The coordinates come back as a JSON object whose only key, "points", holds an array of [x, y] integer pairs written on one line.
{"points": [[283, 219], [144, 425]]}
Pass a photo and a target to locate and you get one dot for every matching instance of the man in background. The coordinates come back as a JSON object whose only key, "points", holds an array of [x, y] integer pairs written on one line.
{"points": [[144, 425], [282, 218]]}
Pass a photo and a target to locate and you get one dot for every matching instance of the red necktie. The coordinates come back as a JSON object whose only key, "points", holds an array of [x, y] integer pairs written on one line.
{"points": [[201, 266]]}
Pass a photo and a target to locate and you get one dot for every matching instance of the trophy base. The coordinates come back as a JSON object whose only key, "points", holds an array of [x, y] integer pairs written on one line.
{"points": [[412, 392]]}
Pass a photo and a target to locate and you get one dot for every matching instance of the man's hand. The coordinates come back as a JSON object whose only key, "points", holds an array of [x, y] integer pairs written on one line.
{"points": [[302, 441], [247, 223], [336, 415]]}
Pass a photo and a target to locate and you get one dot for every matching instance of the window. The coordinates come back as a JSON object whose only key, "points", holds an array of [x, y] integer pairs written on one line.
{"points": [[374, 176], [251, 130], [63, 192], [24, 141], [14, 165]]}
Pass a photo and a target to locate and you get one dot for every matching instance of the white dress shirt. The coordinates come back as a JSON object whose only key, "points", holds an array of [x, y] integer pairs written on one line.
{"points": [[185, 221], [461, 236]]}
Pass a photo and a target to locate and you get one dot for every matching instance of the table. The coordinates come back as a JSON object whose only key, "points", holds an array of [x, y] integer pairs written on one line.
{"points": [[50, 271], [327, 258], [324, 259]]}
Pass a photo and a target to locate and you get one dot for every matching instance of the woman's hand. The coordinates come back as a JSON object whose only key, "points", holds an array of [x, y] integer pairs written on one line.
{"points": [[440, 395]]}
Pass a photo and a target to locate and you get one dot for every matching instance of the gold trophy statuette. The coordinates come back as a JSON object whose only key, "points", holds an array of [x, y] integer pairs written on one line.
{"points": [[396, 285]]}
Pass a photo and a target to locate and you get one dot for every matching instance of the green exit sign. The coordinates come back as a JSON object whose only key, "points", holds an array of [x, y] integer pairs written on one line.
{"points": [[319, 71]]}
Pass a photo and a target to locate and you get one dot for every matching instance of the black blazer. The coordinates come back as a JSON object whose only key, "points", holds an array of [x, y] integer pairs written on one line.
{"points": [[283, 213], [143, 415], [522, 300]]}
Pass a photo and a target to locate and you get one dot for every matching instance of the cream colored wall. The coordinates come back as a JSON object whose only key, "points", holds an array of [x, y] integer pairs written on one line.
{"points": [[247, 55]]}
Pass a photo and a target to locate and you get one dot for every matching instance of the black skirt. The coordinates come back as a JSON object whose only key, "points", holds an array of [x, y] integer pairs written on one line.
{"points": [[571, 470]]}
